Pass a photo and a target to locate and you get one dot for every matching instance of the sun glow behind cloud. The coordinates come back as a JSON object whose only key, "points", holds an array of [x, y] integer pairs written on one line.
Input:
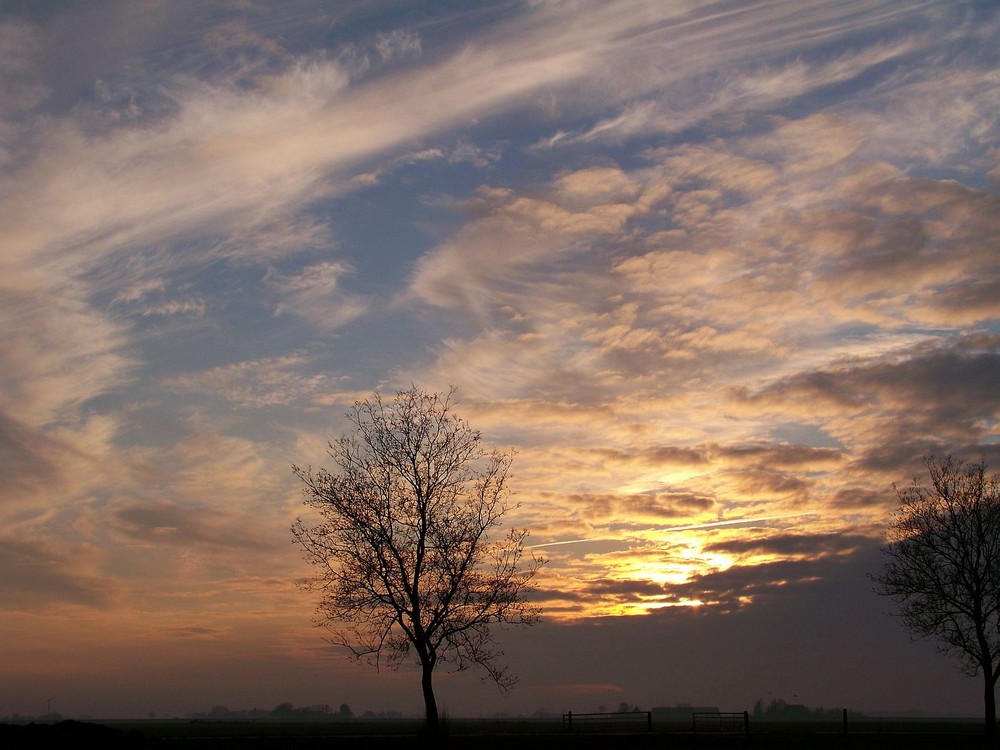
{"points": [[660, 560]]}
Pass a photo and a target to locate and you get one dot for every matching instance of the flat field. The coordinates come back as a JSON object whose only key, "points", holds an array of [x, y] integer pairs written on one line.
{"points": [[482, 734]]}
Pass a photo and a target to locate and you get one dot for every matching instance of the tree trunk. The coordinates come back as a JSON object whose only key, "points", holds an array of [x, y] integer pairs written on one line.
{"points": [[991, 705], [433, 725]]}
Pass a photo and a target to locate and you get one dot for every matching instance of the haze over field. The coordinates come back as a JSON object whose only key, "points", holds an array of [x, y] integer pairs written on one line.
{"points": [[720, 273]]}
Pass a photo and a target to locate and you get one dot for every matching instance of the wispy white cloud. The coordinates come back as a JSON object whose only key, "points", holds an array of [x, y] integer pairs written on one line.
{"points": [[398, 44], [58, 352], [314, 294], [254, 384], [194, 307]]}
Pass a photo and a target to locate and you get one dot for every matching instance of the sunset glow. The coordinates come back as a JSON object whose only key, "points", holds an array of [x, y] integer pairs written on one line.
{"points": [[719, 274]]}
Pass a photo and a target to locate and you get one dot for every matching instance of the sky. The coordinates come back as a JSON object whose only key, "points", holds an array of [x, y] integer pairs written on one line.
{"points": [[721, 274]]}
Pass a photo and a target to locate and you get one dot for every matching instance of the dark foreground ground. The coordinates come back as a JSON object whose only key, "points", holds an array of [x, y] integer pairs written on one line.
{"points": [[484, 735]]}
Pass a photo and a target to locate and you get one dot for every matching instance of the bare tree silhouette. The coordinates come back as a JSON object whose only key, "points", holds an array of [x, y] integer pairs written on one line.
{"points": [[404, 551], [943, 566]]}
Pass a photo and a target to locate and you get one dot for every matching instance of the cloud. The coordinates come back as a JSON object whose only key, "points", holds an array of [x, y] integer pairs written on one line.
{"points": [[948, 386], [23, 87], [29, 460], [198, 633], [39, 572], [314, 294], [739, 586], [642, 507], [694, 299], [188, 526], [461, 152], [491, 258], [719, 274], [778, 266], [781, 456], [728, 93], [193, 307], [58, 351], [277, 381], [398, 44], [803, 546]]}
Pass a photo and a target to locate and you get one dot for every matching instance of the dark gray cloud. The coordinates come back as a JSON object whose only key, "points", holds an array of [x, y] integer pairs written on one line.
{"points": [[187, 525], [29, 460], [945, 390], [780, 456], [625, 591], [758, 584], [651, 504], [784, 545], [196, 632], [822, 640], [36, 573], [764, 482]]}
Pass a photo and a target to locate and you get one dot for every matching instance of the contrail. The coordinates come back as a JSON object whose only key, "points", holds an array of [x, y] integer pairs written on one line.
{"points": [[690, 527]]}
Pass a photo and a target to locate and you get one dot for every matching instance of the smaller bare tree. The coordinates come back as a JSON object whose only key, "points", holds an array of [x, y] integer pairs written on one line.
{"points": [[943, 566], [404, 549]]}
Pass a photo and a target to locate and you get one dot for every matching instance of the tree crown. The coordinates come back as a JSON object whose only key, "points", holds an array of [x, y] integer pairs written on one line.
{"points": [[942, 566], [406, 549]]}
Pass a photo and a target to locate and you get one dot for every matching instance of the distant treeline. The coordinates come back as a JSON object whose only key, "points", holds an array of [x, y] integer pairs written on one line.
{"points": [[778, 708], [320, 711]]}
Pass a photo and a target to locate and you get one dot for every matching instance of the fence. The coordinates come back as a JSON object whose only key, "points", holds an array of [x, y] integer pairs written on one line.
{"points": [[718, 722], [615, 721]]}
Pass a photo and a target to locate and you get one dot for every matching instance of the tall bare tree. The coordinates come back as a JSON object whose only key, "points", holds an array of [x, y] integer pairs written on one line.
{"points": [[943, 566], [407, 555]]}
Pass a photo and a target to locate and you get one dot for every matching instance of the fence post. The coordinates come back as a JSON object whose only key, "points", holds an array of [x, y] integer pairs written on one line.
{"points": [[570, 722], [649, 721], [746, 723]]}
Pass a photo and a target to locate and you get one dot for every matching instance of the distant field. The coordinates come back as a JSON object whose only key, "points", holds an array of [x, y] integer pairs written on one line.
{"points": [[480, 734]]}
